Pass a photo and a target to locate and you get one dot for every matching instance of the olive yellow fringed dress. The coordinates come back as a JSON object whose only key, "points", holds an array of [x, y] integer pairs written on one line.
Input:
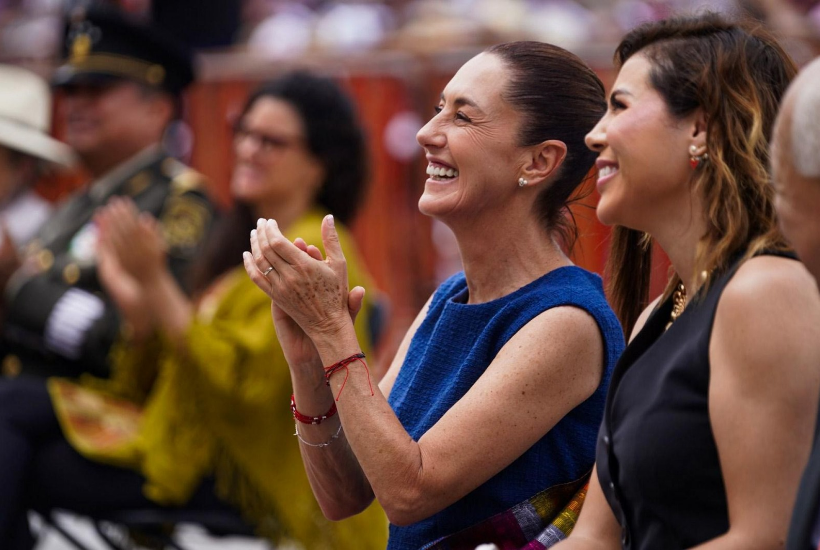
{"points": [[220, 407]]}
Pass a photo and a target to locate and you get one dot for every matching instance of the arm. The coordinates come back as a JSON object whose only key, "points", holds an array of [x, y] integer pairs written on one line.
{"points": [[46, 315], [133, 266], [75, 322], [597, 528], [765, 375], [333, 471], [413, 480], [133, 248]]}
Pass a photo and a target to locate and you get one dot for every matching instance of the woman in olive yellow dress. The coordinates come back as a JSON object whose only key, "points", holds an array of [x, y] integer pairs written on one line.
{"points": [[195, 414]]}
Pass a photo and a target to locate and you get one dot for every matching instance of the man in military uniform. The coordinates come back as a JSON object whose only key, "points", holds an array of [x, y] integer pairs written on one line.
{"points": [[122, 83]]}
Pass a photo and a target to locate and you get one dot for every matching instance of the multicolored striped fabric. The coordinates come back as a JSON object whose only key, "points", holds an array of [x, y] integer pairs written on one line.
{"points": [[535, 524]]}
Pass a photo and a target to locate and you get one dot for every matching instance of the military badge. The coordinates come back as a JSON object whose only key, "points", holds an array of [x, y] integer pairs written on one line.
{"points": [[184, 222], [80, 41]]}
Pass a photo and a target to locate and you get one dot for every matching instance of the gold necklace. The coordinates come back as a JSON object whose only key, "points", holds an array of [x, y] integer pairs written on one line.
{"points": [[678, 303]]}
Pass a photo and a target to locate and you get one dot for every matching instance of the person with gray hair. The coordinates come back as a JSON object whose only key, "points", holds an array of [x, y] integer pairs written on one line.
{"points": [[796, 166], [795, 158]]}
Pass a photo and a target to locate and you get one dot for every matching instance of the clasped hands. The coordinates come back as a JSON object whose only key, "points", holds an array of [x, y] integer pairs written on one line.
{"points": [[309, 293]]}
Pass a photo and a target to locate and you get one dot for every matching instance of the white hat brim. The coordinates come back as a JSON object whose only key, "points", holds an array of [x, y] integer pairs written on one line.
{"points": [[35, 143]]}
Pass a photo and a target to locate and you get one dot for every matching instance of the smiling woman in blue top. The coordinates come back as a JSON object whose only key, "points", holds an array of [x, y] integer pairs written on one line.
{"points": [[497, 391]]}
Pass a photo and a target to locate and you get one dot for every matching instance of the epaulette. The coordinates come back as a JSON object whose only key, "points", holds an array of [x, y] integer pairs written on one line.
{"points": [[183, 178]]}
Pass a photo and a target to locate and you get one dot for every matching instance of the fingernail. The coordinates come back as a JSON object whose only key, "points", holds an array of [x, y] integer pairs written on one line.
{"points": [[260, 220], [253, 232], [330, 220], [273, 223]]}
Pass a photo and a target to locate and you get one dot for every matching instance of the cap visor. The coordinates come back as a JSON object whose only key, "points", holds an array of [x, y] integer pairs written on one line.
{"points": [[67, 76]]}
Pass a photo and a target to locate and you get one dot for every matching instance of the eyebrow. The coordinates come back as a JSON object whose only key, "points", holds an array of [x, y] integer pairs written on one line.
{"points": [[460, 101], [615, 93]]}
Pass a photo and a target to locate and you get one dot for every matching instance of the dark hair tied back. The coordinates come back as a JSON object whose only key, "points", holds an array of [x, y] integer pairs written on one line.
{"points": [[560, 98]]}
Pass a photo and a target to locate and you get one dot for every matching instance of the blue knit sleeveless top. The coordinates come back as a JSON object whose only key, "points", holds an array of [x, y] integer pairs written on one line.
{"points": [[453, 347]]}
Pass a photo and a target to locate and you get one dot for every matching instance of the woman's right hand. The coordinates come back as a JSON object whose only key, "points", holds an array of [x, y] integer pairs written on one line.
{"points": [[298, 348]]}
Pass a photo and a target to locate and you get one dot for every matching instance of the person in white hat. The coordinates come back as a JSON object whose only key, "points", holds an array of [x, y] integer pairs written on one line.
{"points": [[25, 149]]}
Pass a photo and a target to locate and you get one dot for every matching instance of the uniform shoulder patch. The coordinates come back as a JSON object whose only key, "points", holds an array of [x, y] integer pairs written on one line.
{"points": [[185, 221], [187, 181], [171, 167]]}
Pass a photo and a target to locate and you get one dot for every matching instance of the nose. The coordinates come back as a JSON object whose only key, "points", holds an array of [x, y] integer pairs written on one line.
{"points": [[596, 138], [77, 97], [430, 135], [245, 145]]}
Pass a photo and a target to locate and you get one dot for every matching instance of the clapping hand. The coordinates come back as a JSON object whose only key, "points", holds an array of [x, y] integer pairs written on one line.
{"points": [[128, 248], [135, 237], [298, 347]]}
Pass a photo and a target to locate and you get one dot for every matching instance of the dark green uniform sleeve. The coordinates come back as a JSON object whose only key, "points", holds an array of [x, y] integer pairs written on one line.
{"points": [[59, 321]]}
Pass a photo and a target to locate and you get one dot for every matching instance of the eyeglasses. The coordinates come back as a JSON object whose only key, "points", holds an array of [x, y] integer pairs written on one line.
{"points": [[267, 143]]}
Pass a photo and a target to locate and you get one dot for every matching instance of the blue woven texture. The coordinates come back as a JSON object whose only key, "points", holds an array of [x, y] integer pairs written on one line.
{"points": [[454, 346]]}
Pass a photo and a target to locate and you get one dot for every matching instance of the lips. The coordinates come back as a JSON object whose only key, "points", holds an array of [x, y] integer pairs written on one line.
{"points": [[607, 169]]}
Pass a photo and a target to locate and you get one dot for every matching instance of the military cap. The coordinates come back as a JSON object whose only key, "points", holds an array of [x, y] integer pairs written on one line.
{"points": [[103, 44]]}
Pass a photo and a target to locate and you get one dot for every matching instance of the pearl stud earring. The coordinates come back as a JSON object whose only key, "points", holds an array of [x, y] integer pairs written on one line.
{"points": [[694, 158]]}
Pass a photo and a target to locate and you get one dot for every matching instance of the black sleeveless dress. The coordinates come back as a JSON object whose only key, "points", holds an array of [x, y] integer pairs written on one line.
{"points": [[657, 458]]}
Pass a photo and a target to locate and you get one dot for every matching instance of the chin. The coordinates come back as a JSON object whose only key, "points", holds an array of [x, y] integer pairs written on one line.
{"points": [[605, 215], [83, 145], [439, 200], [423, 207], [243, 194], [432, 207]]}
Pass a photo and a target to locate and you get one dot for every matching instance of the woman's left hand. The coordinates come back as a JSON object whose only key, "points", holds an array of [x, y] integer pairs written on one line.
{"points": [[311, 291]]}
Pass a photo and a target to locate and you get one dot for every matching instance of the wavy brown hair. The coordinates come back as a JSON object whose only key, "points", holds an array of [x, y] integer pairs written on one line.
{"points": [[736, 74]]}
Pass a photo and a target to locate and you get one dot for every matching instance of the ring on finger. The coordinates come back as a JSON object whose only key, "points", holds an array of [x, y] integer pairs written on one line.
{"points": [[268, 270]]}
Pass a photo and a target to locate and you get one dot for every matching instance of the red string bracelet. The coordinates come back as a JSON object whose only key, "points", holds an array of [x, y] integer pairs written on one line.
{"points": [[305, 419], [344, 364]]}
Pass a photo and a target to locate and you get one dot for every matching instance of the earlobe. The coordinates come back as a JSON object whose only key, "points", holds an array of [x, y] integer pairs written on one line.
{"points": [[698, 149], [699, 130]]}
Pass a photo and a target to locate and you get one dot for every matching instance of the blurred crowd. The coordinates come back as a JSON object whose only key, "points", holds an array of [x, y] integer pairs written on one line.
{"points": [[288, 29]]}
